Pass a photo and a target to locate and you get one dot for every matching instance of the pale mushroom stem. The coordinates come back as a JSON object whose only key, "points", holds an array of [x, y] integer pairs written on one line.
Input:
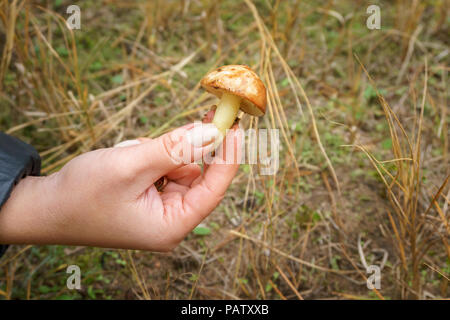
{"points": [[226, 112]]}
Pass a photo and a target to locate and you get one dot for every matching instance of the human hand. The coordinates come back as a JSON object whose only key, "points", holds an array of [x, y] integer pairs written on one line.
{"points": [[107, 198]]}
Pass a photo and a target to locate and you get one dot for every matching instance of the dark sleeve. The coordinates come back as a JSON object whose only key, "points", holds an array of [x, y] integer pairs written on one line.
{"points": [[17, 160]]}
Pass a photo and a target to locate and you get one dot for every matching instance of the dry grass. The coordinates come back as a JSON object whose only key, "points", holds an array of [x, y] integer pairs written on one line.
{"points": [[307, 232]]}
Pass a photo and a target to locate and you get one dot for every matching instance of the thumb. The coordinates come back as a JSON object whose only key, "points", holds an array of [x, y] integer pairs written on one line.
{"points": [[154, 158]]}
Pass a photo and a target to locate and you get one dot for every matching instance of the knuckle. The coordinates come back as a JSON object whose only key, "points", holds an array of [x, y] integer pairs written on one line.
{"points": [[172, 147], [217, 196]]}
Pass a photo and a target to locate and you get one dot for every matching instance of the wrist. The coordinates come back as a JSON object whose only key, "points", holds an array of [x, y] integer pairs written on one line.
{"points": [[26, 217]]}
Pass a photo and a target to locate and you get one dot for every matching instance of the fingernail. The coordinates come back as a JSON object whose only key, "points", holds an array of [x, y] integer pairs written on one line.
{"points": [[202, 135], [127, 143]]}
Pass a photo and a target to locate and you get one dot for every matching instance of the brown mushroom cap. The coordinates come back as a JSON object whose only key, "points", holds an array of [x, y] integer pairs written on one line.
{"points": [[239, 80]]}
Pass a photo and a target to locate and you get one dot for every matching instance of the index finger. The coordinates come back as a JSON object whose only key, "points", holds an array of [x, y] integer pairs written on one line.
{"points": [[202, 198]]}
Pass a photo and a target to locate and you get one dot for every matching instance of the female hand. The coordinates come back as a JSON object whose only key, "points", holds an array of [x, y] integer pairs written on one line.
{"points": [[107, 198]]}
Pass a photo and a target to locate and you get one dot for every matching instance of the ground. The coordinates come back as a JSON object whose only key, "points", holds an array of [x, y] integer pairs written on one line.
{"points": [[363, 119]]}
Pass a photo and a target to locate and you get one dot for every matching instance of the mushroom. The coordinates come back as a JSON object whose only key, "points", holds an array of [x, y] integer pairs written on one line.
{"points": [[238, 87]]}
